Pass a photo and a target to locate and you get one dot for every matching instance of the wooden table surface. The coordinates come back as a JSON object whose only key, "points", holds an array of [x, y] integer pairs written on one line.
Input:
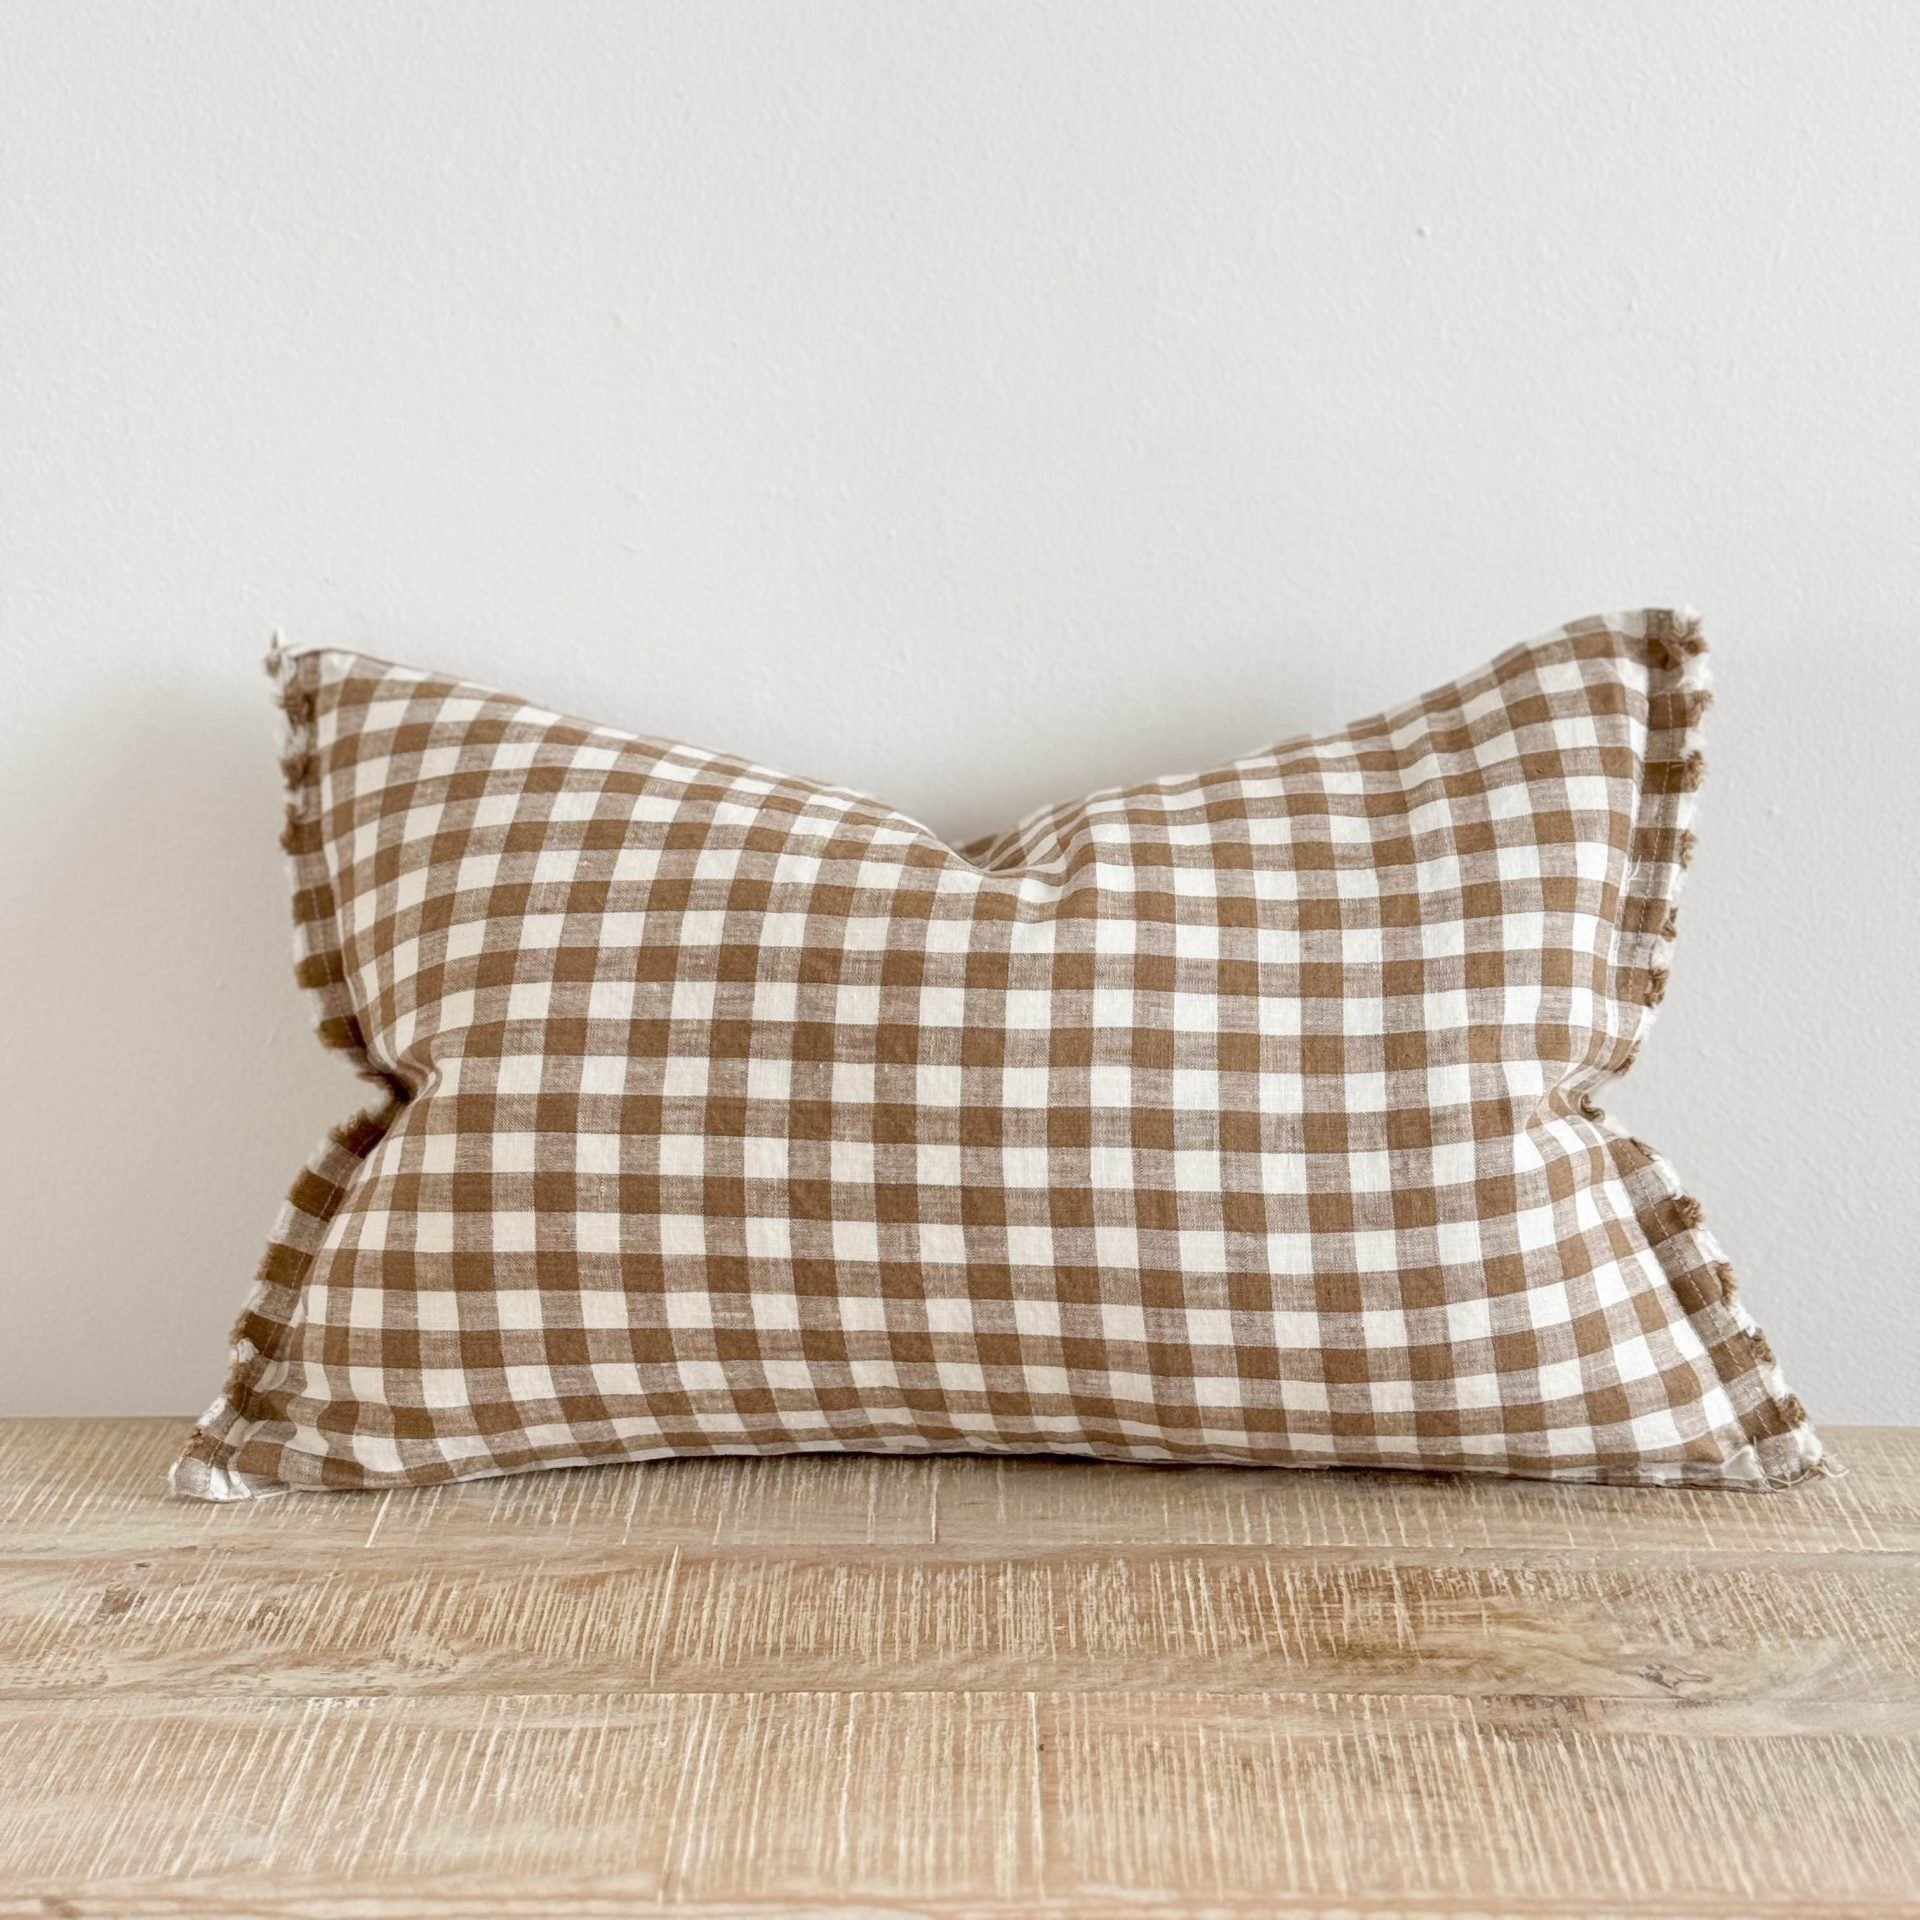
{"points": [[954, 1687]]}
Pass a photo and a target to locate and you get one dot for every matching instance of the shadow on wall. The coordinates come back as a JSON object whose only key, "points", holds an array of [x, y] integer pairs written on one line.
{"points": [[166, 1083]]}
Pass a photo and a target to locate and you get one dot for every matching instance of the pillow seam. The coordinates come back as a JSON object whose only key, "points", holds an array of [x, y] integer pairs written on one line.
{"points": [[207, 1466], [1660, 849]]}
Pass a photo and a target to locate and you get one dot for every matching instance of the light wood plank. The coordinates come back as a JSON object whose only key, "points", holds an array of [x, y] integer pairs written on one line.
{"points": [[1874, 1507], [941, 1803], [107, 1481], [221, 1620], [954, 1687], [1510, 1803]]}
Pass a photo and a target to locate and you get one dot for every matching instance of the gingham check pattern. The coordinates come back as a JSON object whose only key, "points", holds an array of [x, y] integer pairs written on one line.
{"points": [[1246, 1116]]}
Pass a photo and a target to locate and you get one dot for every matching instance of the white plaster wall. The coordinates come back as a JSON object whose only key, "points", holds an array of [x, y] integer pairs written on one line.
{"points": [[973, 403]]}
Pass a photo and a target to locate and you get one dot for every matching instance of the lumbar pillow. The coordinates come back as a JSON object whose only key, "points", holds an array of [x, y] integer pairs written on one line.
{"points": [[1248, 1116]]}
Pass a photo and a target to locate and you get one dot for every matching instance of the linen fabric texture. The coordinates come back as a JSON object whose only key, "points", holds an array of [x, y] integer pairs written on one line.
{"points": [[1241, 1117]]}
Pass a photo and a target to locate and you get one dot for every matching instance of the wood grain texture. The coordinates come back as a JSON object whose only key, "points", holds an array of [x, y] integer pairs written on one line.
{"points": [[107, 1478], [954, 1687], [214, 1621]]}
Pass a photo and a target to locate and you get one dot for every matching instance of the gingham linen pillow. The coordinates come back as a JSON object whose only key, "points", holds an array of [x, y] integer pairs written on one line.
{"points": [[1241, 1117]]}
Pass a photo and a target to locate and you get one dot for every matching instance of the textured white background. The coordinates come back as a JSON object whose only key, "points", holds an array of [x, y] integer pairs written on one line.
{"points": [[972, 403]]}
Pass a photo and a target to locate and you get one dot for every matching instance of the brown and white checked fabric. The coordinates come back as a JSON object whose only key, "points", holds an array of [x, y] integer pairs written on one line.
{"points": [[1246, 1116]]}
